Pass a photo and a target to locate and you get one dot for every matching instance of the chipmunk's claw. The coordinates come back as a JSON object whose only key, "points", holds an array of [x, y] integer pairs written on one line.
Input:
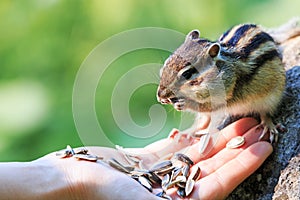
{"points": [[271, 130], [178, 104]]}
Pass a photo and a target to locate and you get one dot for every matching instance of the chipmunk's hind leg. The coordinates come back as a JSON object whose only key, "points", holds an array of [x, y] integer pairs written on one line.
{"points": [[268, 127]]}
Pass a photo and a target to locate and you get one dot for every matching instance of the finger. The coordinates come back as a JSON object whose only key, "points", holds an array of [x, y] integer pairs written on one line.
{"points": [[235, 129], [167, 146], [220, 183], [210, 165]]}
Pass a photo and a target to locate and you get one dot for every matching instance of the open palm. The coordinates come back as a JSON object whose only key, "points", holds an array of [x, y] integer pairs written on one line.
{"points": [[223, 169]]}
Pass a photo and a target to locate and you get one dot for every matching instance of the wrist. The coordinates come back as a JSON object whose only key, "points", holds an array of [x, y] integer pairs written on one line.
{"points": [[48, 180], [38, 179], [62, 178]]}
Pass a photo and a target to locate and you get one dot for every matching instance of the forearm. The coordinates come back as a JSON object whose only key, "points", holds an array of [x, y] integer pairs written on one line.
{"points": [[32, 180]]}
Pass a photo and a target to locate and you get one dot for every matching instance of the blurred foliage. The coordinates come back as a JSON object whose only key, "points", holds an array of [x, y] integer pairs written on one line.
{"points": [[44, 42]]}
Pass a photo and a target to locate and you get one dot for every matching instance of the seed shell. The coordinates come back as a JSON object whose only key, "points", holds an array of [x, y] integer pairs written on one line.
{"points": [[195, 173], [87, 157], [80, 151], [144, 182], [176, 172], [154, 179], [235, 142], [63, 153], [161, 166], [184, 158], [165, 196], [165, 182], [189, 186], [185, 170], [69, 148], [118, 166], [181, 192]]}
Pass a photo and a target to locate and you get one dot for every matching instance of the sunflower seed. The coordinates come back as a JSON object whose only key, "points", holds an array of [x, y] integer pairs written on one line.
{"points": [[165, 182], [203, 142], [138, 172], [81, 151], [178, 163], [176, 172], [69, 148], [181, 184], [184, 158], [165, 196], [154, 179], [161, 166], [63, 153], [87, 157], [118, 166], [189, 186], [185, 170], [160, 194], [179, 179], [181, 192], [195, 173], [235, 142], [144, 182], [68, 152], [165, 171]]}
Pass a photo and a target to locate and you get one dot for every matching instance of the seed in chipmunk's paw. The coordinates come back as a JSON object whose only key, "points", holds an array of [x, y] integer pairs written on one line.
{"points": [[235, 142]]}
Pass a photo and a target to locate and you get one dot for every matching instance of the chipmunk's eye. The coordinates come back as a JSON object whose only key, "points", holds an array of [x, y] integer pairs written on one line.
{"points": [[187, 74]]}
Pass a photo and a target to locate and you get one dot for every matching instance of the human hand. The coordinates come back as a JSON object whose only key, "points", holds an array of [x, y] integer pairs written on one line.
{"points": [[222, 169]]}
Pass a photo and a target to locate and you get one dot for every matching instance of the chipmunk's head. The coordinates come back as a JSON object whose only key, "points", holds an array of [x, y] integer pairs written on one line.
{"points": [[188, 73]]}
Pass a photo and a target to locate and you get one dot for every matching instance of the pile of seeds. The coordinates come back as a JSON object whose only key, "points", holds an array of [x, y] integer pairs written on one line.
{"points": [[79, 153], [173, 173], [165, 175]]}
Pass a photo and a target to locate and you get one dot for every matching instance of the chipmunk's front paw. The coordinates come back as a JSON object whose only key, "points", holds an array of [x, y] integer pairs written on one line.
{"points": [[178, 103]]}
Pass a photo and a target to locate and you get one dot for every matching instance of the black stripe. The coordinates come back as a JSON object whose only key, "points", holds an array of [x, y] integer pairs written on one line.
{"points": [[225, 34], [239, 33], [259, 62], [233, 55], [255, 42], [221, 65], [269, 55]]}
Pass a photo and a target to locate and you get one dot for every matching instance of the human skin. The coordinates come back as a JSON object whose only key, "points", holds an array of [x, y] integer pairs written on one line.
{"points": [[52, 178]]}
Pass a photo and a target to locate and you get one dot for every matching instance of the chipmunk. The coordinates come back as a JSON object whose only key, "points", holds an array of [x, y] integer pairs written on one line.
{"points": [[245, 61]]}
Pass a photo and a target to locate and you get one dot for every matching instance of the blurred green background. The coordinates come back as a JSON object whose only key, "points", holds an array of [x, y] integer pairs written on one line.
{"points": [[44, 42]]}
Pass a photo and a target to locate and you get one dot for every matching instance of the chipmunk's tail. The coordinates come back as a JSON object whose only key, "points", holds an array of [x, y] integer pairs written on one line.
{"points": [[287, 36], [286, 31]]}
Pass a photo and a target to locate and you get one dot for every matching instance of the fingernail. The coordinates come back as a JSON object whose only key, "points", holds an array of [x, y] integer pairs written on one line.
{"points": [[264, 149]]}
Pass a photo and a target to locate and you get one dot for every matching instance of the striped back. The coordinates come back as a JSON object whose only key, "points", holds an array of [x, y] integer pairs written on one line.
{"points": [[249, 43]]}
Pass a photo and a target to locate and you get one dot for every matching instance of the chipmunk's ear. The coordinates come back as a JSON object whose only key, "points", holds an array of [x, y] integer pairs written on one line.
{"points": [[194, 34], [214, 50]]}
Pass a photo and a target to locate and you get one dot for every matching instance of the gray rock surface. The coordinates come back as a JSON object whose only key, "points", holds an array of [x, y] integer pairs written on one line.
{"points": [[288, 186], [279, 177]]}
